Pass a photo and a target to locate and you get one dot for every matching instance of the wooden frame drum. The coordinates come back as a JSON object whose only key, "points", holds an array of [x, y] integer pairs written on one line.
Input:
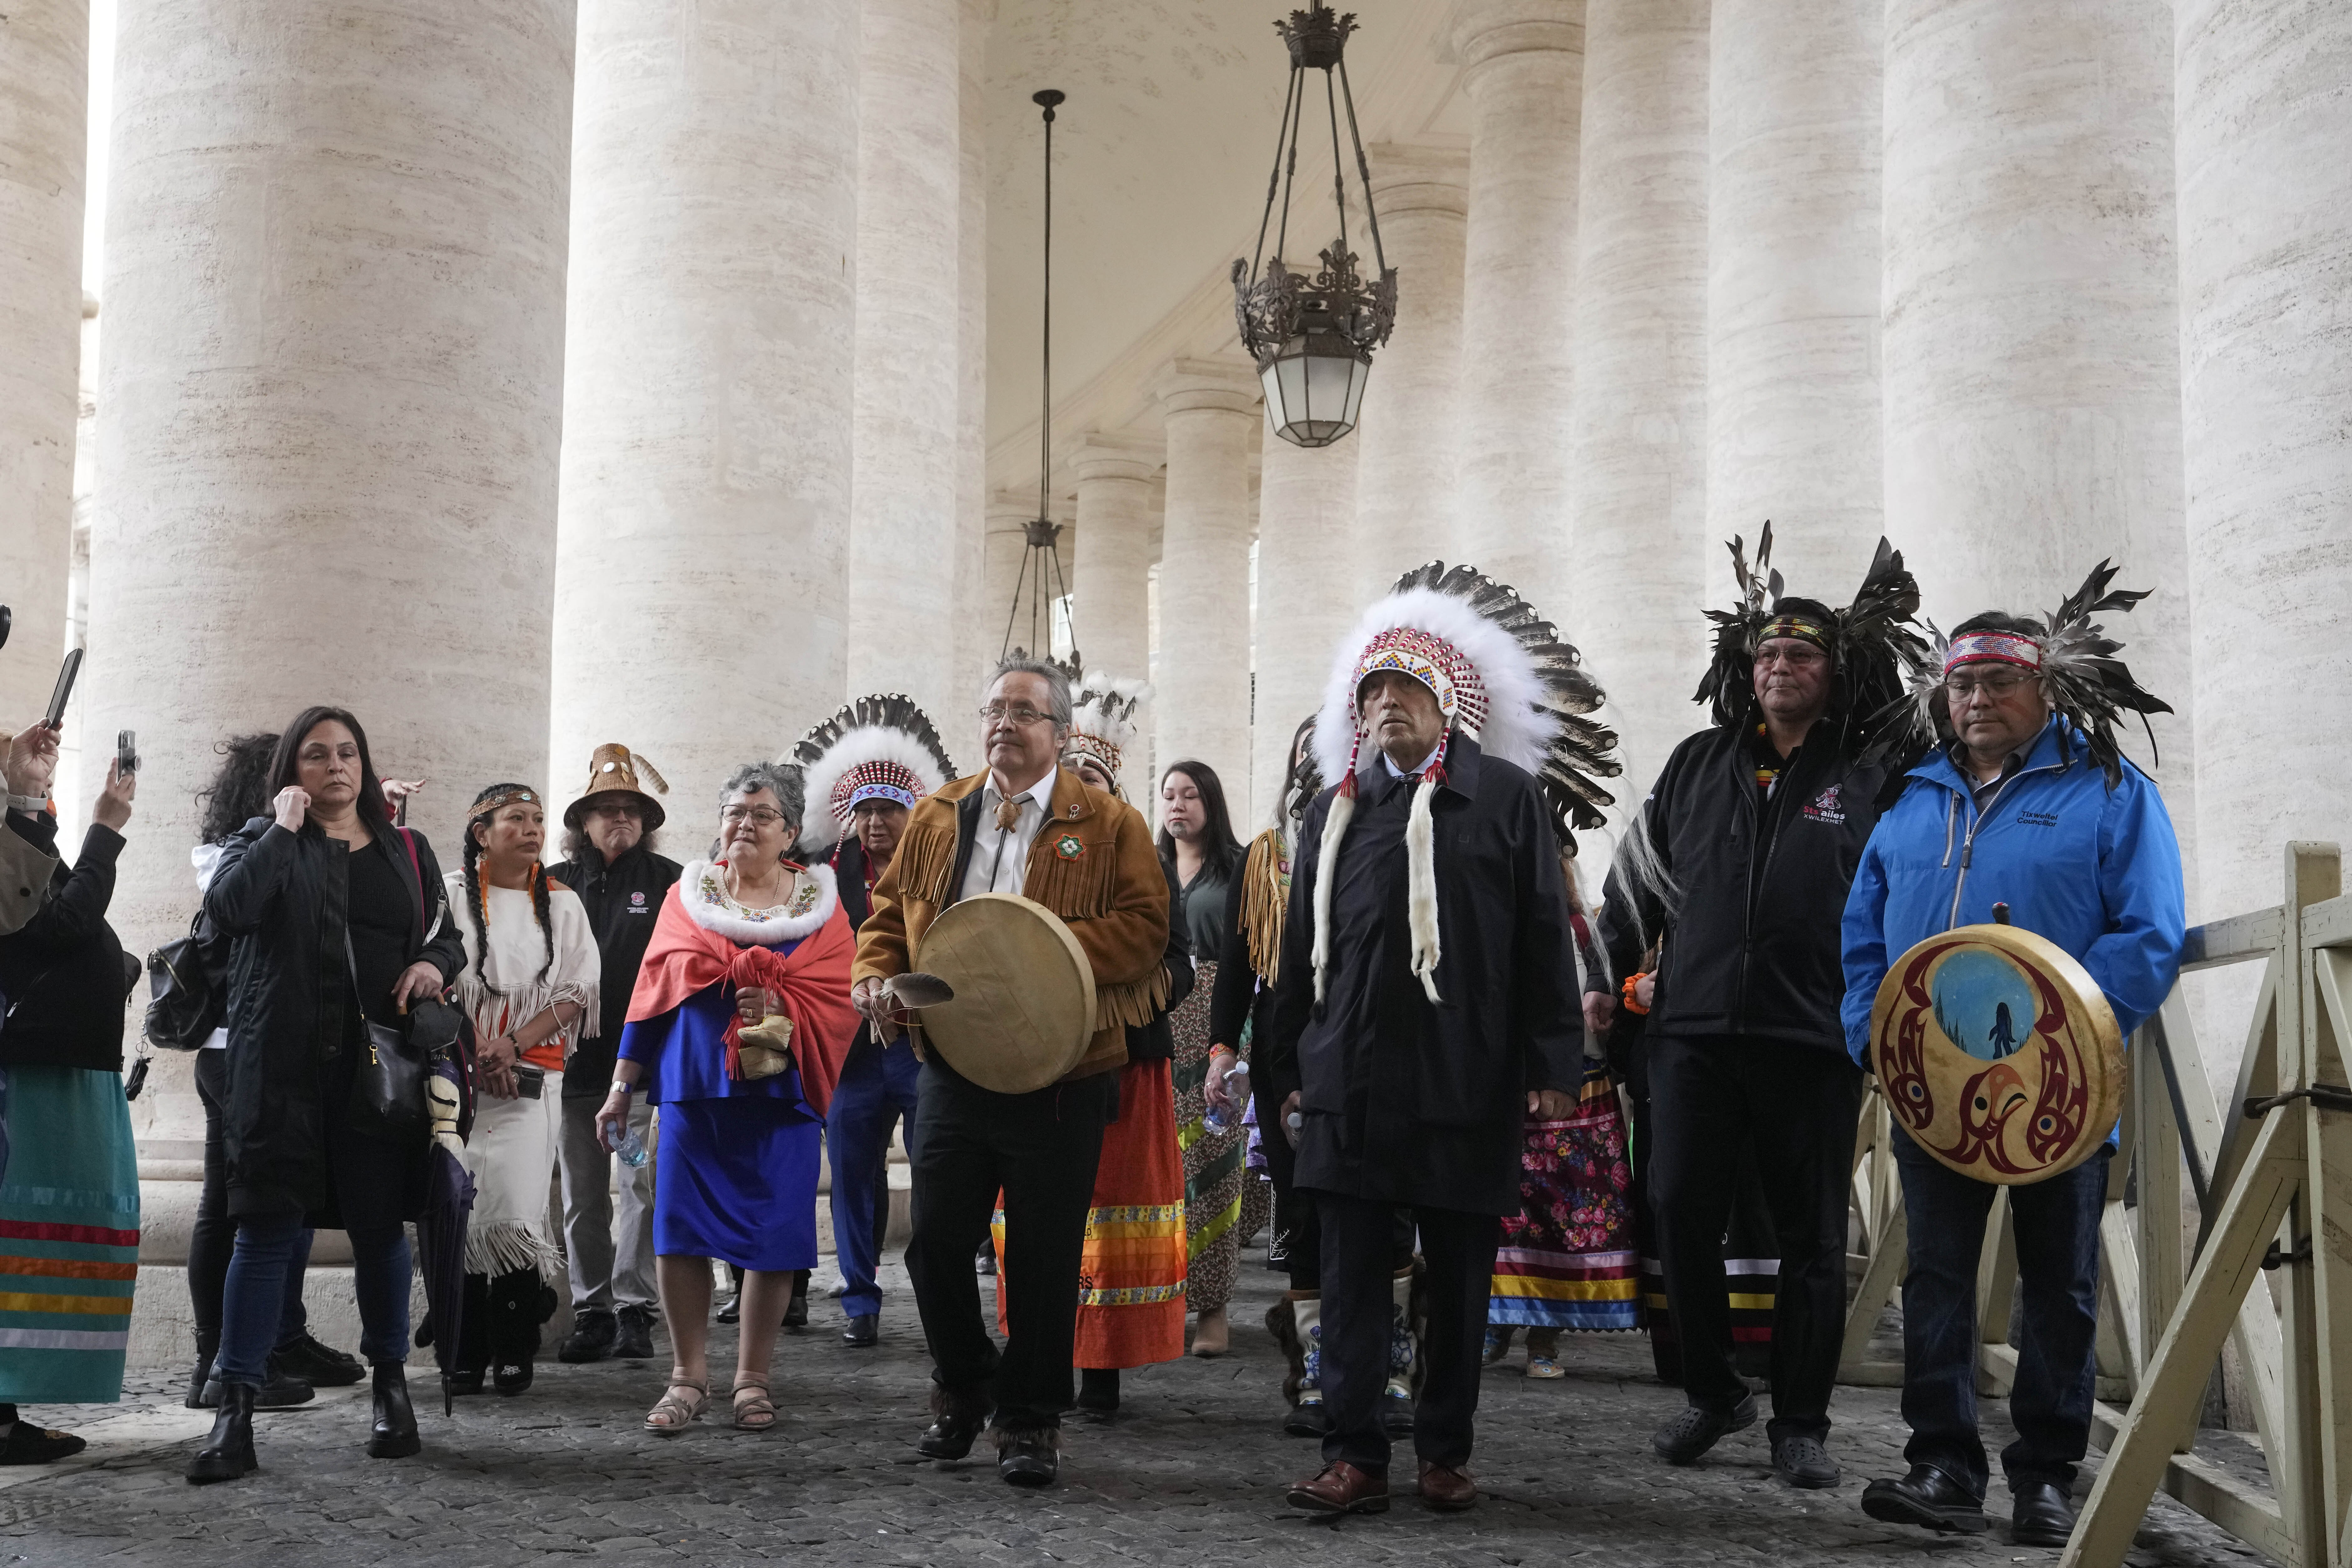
{"points": [[1998, 1054], [1024, 1011]]}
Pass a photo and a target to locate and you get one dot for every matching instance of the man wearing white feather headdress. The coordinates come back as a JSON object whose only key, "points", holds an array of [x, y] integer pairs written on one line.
{"points": [[1428, 989], [866, 766]]}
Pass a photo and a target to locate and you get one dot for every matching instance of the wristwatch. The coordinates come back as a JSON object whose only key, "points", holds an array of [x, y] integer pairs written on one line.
{"points": [[623, 1086]]}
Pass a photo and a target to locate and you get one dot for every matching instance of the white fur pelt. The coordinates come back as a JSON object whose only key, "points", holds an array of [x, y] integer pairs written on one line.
{"points": [[758, 933], [1420, 887], [1327, 871], [867, 743]]}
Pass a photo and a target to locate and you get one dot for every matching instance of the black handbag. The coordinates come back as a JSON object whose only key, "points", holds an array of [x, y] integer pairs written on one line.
{"points": [[388, 1089], [185, 1002]]}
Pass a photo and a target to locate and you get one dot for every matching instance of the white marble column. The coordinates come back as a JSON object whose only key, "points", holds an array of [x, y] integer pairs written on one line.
{"points": [[1306, 510], [1408, 461], [1638, 551], [1523, 69], [1203, 703], [906, 429], [2266, 222], [1110, 591], [1004, 556], [2031, 337], [45, 89], [700, 595], [972, 648], [1792, 417]]}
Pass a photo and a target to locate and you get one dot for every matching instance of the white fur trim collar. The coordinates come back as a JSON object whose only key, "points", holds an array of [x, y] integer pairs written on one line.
{"points": [[789, 927]]}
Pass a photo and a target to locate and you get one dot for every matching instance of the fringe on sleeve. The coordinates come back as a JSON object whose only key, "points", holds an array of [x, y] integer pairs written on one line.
{"points": [[1265, 901]]}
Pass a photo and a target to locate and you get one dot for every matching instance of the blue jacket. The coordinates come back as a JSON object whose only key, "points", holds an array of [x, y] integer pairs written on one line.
{"points": [[2095, 870]]}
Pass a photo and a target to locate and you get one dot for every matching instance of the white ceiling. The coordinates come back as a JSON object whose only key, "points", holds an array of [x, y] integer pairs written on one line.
{"points": [[1160, 157]]}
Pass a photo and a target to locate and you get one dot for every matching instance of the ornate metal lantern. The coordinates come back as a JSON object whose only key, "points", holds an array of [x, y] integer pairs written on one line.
{"points": [[1313, 337], [1039, 580]]}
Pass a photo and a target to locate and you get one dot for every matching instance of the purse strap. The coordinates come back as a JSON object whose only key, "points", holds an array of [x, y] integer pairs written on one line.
{"points": [[351, 966]]}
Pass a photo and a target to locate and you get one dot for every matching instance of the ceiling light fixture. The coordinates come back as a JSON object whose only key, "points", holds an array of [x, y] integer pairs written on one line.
{"points": [[1040, 556]]}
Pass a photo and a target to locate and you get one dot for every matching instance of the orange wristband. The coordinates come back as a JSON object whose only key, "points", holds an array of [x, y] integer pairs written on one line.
{"points": [[1625, 994]]}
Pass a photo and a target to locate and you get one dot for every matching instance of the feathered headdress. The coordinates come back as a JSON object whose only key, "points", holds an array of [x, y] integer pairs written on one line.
{"points": [[1102, 718], [1872, 642], [876, 748], [2087, 684], [1498, 671]]}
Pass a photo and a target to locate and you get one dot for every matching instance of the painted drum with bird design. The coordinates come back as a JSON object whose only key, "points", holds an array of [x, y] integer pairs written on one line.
{"points": [[1998, 1054]]}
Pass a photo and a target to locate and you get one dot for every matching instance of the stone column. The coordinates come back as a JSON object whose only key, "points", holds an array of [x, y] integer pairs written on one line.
{"points": [[2266, 219], [1306, 510], [1110, 594], [2030, 339], [1203, 701], [1523, 68], [44, 84], [1408, 457], [1792, 419], [910, 378], [972, 647], [1005, 553], [1639, 548], [700, 592], [327, 416]]}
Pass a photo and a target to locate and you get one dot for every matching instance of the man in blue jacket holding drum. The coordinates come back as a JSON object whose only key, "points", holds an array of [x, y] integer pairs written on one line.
{"points": [[2030, 807]]}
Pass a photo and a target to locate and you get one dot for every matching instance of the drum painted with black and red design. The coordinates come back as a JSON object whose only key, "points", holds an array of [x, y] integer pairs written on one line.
{"points": [[1998, 1054]]}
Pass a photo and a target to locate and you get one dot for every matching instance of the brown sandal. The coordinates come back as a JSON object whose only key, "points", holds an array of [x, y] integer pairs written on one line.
{"points": [[671, 1414], [758, 1413]]}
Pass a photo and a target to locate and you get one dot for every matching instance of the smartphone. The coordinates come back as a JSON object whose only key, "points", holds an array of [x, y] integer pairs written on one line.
{"points": [[64, 692], [530, 1082], [126, 751]]}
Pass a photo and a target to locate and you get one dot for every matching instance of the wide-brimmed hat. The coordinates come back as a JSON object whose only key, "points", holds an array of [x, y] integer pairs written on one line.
{"points": [[612, 771]]}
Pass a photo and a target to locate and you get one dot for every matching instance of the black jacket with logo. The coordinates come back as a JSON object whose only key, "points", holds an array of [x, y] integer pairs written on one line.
{"points": [[1751, 944], [623, 900]]}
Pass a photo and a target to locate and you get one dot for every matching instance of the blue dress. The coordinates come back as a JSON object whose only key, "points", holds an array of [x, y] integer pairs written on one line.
{"points": [[735, 1166]]}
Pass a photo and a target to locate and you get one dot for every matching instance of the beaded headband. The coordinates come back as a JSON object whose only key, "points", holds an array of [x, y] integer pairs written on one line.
{"points": [[875, 780], [1993, 647]]}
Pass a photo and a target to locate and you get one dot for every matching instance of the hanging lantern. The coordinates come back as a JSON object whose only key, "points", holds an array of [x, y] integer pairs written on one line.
{"points": [[1313, 337], [1039, 580]]}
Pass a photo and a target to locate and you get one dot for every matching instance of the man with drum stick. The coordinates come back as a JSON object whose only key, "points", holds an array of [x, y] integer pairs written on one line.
{"points": [[1031, 828], [2028, 817]]}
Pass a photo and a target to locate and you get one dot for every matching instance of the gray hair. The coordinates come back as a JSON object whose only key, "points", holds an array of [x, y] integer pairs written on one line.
{"points": [[1020, 661], [780, 779]]}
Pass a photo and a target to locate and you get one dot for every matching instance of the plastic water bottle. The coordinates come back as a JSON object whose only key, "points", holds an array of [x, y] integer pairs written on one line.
{"points": [[1217, 1118], [631, 1149]]}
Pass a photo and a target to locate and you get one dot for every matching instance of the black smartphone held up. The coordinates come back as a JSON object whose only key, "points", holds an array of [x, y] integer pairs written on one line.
{"points": [[126, 751], [67, 673]]}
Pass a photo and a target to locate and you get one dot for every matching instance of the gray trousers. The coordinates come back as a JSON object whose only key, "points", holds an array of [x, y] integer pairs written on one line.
{"points": [[612, 1260]]}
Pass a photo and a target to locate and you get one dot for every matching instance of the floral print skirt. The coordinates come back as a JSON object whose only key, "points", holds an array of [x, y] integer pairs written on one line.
{"points": [[1569, 1259], [1213, 1161]]}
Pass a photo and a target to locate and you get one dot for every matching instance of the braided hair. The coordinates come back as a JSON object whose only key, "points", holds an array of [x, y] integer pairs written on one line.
{"points": [[478, 897]]}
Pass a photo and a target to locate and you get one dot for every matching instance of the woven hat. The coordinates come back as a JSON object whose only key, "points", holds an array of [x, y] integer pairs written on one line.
{"points": [[612, 770]]}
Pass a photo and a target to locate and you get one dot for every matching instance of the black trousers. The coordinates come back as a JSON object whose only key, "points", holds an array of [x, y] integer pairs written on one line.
{"points": [[1358, 1256], [1711, 1100], [1041, 1150]]}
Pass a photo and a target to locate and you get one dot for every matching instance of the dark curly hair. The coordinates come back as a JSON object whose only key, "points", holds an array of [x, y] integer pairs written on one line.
{"points": [[478, 901], [240, 788]]}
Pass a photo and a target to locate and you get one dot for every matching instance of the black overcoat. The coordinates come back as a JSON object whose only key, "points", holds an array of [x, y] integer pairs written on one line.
{"points": [[1410, 1101]]}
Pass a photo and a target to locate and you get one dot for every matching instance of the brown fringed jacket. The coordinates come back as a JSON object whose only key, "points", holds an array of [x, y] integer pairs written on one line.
{"points": [[1112, 893]]}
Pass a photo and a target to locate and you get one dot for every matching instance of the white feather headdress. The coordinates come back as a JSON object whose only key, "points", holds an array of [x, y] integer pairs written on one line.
{"points": [[878, 746]]}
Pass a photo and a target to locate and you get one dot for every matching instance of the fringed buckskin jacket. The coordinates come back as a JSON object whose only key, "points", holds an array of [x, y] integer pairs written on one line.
{"points": [[1112, 893]]}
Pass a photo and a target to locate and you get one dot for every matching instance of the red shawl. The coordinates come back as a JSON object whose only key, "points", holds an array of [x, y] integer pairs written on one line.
{"points": [[813, 979]]}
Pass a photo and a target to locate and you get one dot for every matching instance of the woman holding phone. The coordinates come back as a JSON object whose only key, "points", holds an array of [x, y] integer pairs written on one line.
{"points": [[337, 921], [529, 985]]}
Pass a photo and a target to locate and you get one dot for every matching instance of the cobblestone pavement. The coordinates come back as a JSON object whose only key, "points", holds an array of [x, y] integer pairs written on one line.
{"points": [[1191, 1473]]}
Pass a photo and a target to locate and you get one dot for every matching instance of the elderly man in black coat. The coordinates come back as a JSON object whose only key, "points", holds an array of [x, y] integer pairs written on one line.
{"points": [[1428, 986]]}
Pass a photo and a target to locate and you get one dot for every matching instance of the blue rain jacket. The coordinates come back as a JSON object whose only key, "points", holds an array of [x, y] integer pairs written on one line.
{"points": [[2095, 870]]}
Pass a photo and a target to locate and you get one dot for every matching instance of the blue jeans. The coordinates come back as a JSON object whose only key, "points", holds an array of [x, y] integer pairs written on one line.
{"points": [[252, 1304], [876, 1088], [212, 1239], [2057, 1224]]}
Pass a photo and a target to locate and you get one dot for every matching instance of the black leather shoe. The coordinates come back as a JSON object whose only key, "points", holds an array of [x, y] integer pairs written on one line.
{"points": [[321, 1366], [512, 1377], [1098, 1391], [2040, 1514], [1928, 1498], [633, 1338], [202, 1395], [280, 1393], [391, 1430], [796, 1310], [1028, 1456], [1804, 1461], [227, 1453], [1306, 1420], [733, 1312], [948, 1437], [591, 1338], [1694, 1431], [1396, 1416], [465, 1380], [863, 1332]]}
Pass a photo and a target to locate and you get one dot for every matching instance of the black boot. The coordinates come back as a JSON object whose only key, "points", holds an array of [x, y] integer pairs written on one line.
{"points": [[1098, 1391], [514, 1317], [473, 1357], [796, 1310], [198, 1396], [392, 1434], [227, 1453], [280, 1389]]}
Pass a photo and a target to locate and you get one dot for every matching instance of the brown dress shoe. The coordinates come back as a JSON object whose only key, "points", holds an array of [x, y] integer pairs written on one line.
{"points": [[1448, 1488], [1341, 1489]]}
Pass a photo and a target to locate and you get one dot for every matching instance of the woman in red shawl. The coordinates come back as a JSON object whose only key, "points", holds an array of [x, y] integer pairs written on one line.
{"points": [[748, 938]]}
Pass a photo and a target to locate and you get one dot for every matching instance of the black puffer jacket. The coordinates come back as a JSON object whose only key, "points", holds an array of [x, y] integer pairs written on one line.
{"points": [[282, 897], [1752, 945], [64, 973]]}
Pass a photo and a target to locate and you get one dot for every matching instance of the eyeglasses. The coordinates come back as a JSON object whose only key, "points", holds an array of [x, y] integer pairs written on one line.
{"points": [[1019, 713], [1995, 683], [1800, 657], [734, 816]]}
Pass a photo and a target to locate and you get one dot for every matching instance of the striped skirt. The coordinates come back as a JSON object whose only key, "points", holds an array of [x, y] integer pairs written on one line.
{"points": [[1213, 1161], [69, 1236], [1568, 1260]]}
